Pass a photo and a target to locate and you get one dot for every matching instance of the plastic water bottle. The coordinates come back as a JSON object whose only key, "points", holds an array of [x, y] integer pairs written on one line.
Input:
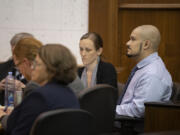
{"points": [[9, 90]]}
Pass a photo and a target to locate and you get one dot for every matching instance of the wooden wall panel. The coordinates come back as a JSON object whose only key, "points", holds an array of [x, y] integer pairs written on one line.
{"points": [[119, 18], [103, 19], [168, 24]]}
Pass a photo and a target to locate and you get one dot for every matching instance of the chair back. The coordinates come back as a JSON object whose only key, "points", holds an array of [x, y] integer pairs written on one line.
{"points": [[100, 100], [175, 97], [64, 122], [120, 88]]}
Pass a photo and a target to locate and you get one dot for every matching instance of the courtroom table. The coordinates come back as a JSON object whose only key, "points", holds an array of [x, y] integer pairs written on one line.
{"points": [[162, 116]]}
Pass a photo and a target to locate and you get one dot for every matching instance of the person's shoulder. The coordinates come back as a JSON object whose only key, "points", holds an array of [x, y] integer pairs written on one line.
{"points": [[47, 86], [76, 85], [106, 68], [55, 86], [32, 85], [29, 88], [156, 67], [106, 65]]}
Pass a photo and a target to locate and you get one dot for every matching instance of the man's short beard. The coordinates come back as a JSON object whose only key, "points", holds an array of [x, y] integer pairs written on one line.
{"points": [[129, 55], [135, 55]]}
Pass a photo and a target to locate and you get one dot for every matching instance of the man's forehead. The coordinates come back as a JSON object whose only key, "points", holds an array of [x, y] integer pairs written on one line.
{"points": [[135, 33]]}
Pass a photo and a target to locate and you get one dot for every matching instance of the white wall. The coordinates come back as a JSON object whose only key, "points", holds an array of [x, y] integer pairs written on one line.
{"points": [[50, 21]]}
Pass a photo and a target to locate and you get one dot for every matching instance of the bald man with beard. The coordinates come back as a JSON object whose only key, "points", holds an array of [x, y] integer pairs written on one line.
{"points": [[149, 79]]}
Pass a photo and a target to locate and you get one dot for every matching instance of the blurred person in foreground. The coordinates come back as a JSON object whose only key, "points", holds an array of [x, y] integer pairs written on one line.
{"points": [[24, 54], [53, 69]]}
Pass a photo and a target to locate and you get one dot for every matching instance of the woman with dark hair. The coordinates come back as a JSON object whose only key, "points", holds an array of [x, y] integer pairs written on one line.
{"points": [[54, 67], [95, 71]]}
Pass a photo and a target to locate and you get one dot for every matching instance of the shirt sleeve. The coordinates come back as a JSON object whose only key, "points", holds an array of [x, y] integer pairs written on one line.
{"points": [[148, 88]]}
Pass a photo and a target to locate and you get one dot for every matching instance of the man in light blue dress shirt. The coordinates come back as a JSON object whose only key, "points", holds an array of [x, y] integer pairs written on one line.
{"points": [[152, 81]]}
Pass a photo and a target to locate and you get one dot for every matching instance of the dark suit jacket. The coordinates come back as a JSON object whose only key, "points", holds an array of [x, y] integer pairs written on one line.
{"points": [[26, 91], [5, 67], [49, 97], [106, 74], [8, 66]]}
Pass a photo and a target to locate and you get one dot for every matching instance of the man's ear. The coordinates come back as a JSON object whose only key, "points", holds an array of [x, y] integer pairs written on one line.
{"points": [[99, 51], [147, 44]]}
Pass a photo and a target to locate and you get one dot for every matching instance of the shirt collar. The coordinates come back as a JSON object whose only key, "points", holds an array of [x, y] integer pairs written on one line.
{"points": [[147, 60]]}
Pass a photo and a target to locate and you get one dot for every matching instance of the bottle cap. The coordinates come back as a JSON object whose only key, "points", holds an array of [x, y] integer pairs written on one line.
{"points": [[9, 73]]}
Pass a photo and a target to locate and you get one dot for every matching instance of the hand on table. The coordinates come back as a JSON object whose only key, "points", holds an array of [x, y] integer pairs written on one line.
{"points": [[18, 85], [5, 112]]}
